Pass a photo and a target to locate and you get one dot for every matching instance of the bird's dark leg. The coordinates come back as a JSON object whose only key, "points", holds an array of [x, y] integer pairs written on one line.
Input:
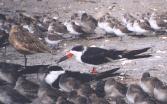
{"points": [[25, 58], [94, 71]]}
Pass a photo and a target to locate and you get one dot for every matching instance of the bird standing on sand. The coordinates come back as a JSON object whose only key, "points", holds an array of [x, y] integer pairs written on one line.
{"points": [[98, 56], [25, 43]]}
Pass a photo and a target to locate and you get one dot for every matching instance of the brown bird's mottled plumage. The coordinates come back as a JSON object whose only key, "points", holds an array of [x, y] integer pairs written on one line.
{"points": [[25, 43]]}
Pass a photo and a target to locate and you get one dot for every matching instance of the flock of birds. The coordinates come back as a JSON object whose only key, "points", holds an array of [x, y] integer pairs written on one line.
{"points": [[30, 34]]}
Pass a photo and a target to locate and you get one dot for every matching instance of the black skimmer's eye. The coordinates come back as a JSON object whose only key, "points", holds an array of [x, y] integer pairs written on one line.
{"points": [[78, 48], [67, 56]]}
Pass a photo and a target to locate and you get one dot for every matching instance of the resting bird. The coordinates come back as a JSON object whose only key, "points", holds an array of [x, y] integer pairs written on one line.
{"points": [[25, 43]]}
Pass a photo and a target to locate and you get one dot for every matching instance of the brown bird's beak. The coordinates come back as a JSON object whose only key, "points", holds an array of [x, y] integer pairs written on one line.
{"points": [[67, 56]]}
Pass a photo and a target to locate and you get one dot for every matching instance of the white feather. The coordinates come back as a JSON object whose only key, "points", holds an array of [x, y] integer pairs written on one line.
{"points": [[105, 26], [52, 76]]}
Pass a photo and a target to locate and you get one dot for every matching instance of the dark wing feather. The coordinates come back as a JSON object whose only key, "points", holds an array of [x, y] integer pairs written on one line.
{"points": [[95, 56]]}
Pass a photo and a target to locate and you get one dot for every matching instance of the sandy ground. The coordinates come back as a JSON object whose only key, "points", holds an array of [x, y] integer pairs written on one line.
{"points": [[134, 68]]}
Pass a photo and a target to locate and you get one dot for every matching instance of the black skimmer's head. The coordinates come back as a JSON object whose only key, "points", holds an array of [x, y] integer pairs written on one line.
{"points": [[76, 51]]}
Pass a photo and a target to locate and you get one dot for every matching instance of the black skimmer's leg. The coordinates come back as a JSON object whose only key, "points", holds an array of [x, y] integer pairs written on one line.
{"points": [[94, 71]]}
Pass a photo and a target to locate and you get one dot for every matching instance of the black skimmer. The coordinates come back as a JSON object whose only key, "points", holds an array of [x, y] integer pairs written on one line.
{"points": [[57, 27], [98, 56], [147, 83], [69, 81], [114, 89], [136, 95], [160, 92]]}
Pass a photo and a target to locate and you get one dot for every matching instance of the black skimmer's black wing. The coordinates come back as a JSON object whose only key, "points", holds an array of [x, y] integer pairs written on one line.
{"points": [[96, 56]]}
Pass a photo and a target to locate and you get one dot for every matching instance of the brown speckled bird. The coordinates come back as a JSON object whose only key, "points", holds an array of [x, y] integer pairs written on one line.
{"points": [[25, 43]]}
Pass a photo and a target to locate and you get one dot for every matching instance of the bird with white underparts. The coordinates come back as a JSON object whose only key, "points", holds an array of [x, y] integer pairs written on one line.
{"points": [[97, 56]]}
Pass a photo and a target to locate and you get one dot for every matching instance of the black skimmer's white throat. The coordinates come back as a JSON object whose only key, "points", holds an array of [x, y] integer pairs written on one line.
{"points": [[98, 56]]}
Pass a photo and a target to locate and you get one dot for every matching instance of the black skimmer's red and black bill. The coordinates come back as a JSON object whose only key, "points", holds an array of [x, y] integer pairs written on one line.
{"points": [[98, 56]]}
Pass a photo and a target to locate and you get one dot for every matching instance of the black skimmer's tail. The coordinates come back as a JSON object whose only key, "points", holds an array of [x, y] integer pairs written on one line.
{"points": [[132, 54]]}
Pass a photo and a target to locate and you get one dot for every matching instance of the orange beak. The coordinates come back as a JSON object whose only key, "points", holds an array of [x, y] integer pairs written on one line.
{"points": [[67, 56]]}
